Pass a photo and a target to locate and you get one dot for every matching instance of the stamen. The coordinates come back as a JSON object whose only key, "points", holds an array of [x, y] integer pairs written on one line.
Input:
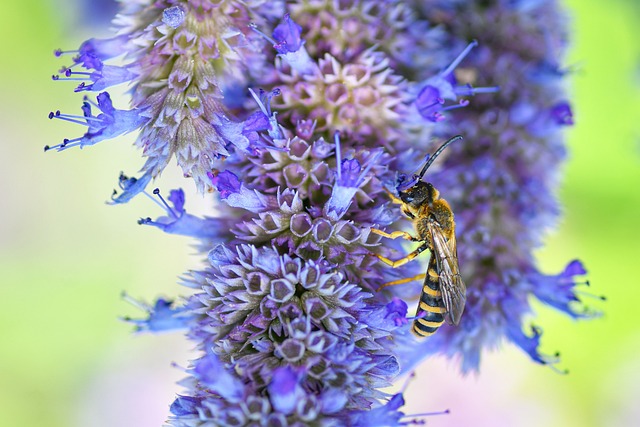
{"points": [[336, 138], [67, 67], [590, 295], [80, 120], [485, 89], [66, 143], [417, 421], [413, 422], [56, 77], [59, 52], [259, 102], [164, 205], [254, 27], [264, 103], [139, 304], [410, 378], [429, 414], [459, 58], [551, 362], [462, 103], [156, 191], [468, 90], [90, 101]]}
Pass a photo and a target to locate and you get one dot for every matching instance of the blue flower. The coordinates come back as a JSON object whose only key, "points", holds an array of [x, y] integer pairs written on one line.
{"points": [[93, 52], [437, 89], [289, 44], [110, 123], [350, 177], [162, 316], [237, 195], [130, 187], [178, 221]]}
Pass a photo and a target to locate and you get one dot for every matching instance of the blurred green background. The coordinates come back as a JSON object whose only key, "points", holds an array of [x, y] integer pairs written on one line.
{"points": [[65, 257]]}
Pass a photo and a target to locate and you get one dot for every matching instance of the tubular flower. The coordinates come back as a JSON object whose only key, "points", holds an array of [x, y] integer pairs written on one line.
{"points": [[320, 109]]}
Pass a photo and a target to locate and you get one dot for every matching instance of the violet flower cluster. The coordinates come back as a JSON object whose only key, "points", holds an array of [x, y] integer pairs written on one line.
{"points": [[296, 119]]}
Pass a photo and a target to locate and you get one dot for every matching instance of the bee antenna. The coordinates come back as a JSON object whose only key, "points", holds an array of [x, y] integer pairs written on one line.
{"points": [[436, 154]]}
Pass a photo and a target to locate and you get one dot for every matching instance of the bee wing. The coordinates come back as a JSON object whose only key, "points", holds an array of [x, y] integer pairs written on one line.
{"points": [[451, 285]]}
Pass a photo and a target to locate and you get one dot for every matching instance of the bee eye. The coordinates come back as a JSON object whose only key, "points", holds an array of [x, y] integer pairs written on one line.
{"points": [[406, 197]]}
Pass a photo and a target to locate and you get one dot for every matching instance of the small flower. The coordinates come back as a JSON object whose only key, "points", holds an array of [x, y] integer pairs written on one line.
{"points": [[436, 90], [110, 123], [237, 195], [130, 187], [93, 52], [178, 221], [173, 16], [161, 317], [350, 177], [290, 46]]}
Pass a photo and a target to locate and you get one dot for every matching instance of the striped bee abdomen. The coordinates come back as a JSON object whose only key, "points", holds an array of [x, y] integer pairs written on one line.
{"points": [[430, 313]]}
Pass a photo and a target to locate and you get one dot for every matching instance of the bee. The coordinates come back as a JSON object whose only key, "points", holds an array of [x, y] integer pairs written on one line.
{"points": [[444, 293]]}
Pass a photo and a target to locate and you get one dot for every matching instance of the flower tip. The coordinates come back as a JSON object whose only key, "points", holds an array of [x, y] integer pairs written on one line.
{"points": [[574, 268], [226, 183], [173, 16]]}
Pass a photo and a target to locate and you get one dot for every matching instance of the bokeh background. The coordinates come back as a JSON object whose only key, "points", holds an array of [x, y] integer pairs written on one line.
{"points": [[65, 257]]}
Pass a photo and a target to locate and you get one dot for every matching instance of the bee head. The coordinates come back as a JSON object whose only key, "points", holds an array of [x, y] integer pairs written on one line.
{"points": [[419, 194], [413, 191]]}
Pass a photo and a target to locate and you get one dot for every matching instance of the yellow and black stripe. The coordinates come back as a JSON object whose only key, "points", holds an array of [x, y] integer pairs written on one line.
{"points": [[430, 314]]}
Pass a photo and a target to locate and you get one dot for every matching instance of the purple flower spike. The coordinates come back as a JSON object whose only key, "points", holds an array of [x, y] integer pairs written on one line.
{"points": [[288, 313], [501, 186]]}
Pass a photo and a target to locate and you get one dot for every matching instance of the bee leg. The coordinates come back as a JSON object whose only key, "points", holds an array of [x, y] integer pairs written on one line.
{"points": [[394, 199], [395, 235], [401, 281], [403, 261]]}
